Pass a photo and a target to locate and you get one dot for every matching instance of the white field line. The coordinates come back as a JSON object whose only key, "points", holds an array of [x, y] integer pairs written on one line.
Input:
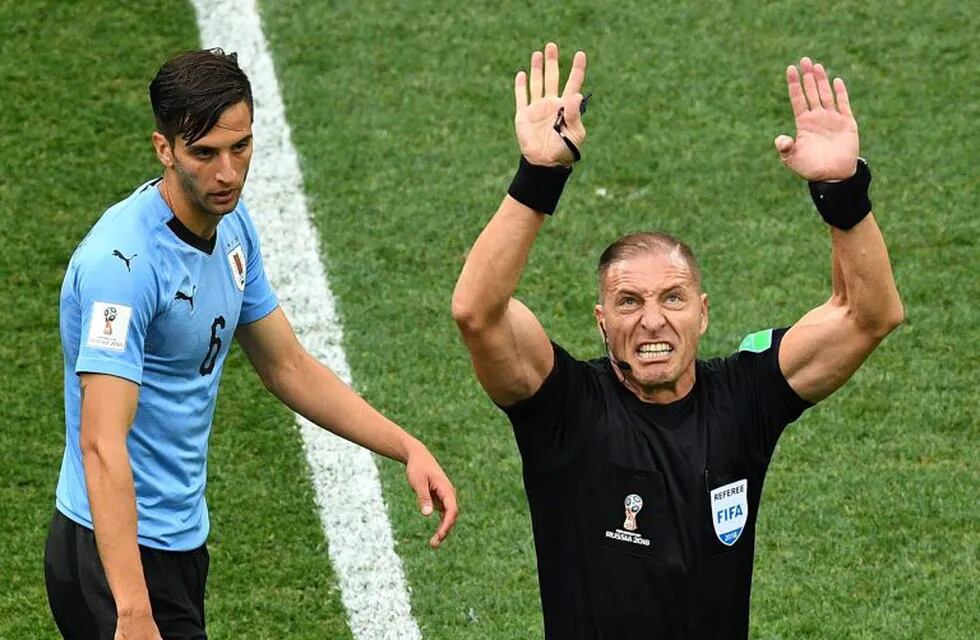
{"points": [[345, 478]]}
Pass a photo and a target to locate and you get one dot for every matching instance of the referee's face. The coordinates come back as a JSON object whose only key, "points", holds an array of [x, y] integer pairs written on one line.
{"points": [[653, 314]]}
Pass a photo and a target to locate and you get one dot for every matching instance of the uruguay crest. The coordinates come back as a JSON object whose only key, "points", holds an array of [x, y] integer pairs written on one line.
{"points": [[236, 259], [730, 510]]}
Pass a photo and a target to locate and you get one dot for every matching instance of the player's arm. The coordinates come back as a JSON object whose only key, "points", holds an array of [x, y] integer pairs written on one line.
{"points": [[315, 392], [510, 350], [108, 408], [827, 345]]}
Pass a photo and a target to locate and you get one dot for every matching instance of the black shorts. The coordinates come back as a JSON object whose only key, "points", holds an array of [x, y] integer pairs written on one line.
{"points": [[82, 603]]}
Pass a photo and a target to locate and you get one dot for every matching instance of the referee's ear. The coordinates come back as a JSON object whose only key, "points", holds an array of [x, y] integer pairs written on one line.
{"points": [[164, 150], [704, 313]]}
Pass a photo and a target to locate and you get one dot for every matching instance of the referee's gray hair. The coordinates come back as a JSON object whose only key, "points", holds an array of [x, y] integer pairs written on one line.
{"points": [[645, 242]]}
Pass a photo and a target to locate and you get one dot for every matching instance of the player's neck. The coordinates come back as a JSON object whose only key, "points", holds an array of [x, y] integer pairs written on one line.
{"points": [[197, 221]]}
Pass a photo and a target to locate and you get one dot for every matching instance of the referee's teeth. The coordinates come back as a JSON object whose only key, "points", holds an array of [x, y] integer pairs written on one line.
{"points": [[654, 349]]}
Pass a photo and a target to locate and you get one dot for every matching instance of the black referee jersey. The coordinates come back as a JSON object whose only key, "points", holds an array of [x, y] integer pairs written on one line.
{"points": [[644, 515]]}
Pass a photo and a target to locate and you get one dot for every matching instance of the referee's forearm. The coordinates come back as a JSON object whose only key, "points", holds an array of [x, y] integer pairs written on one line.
{"points": [[495, 264], [869, 289]]}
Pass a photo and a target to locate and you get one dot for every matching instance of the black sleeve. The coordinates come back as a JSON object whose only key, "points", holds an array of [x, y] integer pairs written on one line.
{"points": [[765, 401], [550, 426]]}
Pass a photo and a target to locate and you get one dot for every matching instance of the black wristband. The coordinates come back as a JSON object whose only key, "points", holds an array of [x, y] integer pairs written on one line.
{"points": [[538, 187], [844, 204]]}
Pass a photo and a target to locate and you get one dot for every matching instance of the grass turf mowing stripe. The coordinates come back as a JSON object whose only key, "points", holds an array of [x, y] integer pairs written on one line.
{"points": [[345, 478]]}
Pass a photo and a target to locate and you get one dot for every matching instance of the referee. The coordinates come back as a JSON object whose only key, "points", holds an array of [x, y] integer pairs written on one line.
{"points": [[644, 470]]}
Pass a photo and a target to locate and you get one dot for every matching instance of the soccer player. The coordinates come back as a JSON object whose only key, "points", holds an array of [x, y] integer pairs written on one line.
{"points": [[644, 470], [151, 300]]}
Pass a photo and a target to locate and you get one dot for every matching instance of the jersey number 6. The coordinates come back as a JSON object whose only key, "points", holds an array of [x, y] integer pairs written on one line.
{"points": [[214, 347]]}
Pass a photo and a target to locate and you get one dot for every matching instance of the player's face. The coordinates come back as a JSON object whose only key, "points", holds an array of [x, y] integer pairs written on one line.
{"points": [[212, 170], [654, 313]]}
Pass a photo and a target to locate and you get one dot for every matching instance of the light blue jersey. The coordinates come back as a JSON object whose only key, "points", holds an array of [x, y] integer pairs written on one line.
{"points": [[146, 300]]}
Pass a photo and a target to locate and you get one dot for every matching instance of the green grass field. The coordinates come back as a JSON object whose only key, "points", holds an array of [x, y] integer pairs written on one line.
{"points": [[402, 115]]}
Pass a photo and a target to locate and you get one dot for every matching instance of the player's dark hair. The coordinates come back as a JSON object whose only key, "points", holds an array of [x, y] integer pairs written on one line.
{"points": [[192, 90], [645, 242]]}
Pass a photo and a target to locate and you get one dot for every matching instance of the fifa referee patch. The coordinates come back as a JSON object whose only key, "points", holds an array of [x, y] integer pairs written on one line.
{"points": [[730, 510], [109, 326]]}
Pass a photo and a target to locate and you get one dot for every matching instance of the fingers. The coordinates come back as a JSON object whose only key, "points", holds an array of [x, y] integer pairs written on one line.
{"points": [[809, 83], [520, 90], [449, 511], [576, 76], [826, 96], [796, 97], [421, 488], [551, 70], [816, 90], [537, 75], [573, 114], [843, 101], [784, 144], [545, 76]]}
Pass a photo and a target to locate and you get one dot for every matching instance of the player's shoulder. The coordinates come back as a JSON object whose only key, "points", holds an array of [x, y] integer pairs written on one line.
{"points": [[124, 239]]}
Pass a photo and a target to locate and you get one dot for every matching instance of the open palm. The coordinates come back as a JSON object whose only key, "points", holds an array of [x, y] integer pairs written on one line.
{"points": [[536, 115], [826, 144]]}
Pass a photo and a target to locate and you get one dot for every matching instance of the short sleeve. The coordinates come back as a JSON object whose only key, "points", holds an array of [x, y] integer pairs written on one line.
{"points": [[763, 391], [259, 300], [550, 426], [117, 302]]}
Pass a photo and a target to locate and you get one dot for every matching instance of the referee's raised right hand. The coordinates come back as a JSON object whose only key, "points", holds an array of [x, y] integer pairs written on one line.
{"points": [[538, 108]]}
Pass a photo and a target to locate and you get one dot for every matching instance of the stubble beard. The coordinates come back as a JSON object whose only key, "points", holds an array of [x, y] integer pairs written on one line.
{"points": [[199, 200]]}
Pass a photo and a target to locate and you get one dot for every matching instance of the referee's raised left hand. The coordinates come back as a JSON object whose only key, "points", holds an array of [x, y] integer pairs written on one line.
{"points": [[433, 489], [826, 144]]}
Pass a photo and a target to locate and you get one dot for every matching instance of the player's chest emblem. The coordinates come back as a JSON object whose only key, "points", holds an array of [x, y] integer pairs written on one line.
{"points": [[730, 510], [630, 530], [236, 260]]}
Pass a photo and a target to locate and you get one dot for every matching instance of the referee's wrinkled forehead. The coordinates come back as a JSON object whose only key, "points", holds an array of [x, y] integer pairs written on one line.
{"points": [[643, 243], [193, 88]]}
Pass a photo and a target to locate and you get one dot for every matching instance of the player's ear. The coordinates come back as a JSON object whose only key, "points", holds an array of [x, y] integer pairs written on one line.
{"points": [[163, 148]]}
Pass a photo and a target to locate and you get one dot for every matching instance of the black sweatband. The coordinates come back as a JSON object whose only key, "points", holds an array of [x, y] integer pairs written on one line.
{"points": [[844, 204], [538, 187]]}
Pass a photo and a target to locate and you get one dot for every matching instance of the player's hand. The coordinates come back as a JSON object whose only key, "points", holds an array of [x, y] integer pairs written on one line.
{"points": [[136, 626], [826, 144], [434, 490], [536, 117]]}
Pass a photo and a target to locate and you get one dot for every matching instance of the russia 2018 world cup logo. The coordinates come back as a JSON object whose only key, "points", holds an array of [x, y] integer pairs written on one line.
{"points": [[110, 315], [633, 504]]}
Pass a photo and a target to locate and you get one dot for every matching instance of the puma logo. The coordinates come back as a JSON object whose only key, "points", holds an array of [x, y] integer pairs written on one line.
{"points": [[119, 255], [180, 295]]}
